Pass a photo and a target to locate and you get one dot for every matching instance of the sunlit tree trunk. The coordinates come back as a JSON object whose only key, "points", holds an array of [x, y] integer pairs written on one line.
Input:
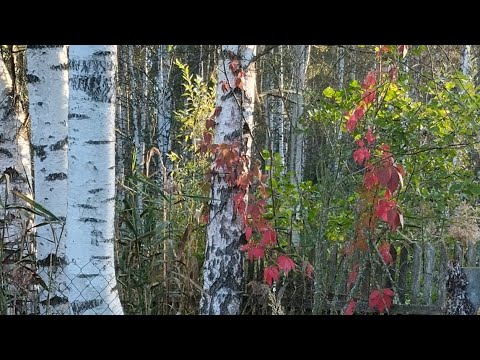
{"points": [[47, 77], [223, 267], [302, 54], [91, 180], [164, 105], [15, 225]]}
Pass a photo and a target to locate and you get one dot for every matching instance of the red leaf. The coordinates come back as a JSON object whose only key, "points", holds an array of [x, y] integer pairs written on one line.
{"points": [[370, 180], [360, 143], [269, 238], [285, 263], [270, 274], [248, 233], [383, 208], [359, 113], [361, 154], [239, 83], [394, 219], [217, 111], [368, 96], [234, 65], [381, 300], [392, 184], [210, 124], [369, 81], [385, 252], [207, 138], [204, 219], [369, 136], [352, 305], [384, 173], [352, 123], [256, 252], [309, 270]]}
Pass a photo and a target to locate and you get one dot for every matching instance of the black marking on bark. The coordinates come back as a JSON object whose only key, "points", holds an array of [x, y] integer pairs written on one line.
{"points": [[45, 46], [79, 307], [55, 301], [85, 220], [78, 116], [101, 257], [86, 206], [40, 151], [108, 200], [40, 103], [2, 138], [95, 236], [59, 67], [102, 53], [5, 152], [94, 83], [98, 142], [94, 191], [111, 167], [59, 145], [63, 218], [109, 240], [236, 135], [12, 172], [43, 170], [52, 260], [32, 79], [56, 176]]}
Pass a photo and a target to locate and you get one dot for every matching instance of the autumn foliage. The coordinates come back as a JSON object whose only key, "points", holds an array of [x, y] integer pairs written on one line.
{"points": [[382, 181], [245, 181]]}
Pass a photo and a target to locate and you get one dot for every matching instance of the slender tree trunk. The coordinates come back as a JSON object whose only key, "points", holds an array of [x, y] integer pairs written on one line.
{"points": [[302, 54], [341, 66], [280, 109], [91, 180], [47, 76], [15, 225], [466, 60], [164, 105], [223, 267]]}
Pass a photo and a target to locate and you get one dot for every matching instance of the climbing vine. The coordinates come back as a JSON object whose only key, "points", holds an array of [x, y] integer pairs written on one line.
{"points": [[248, 185], [382, 180]]}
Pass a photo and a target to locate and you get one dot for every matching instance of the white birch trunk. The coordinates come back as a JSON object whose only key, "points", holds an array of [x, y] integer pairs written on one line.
{"points": [[91, 180], [15, 174], [47, 77], [280, 111], [223, 267], [302, 54], [466, 60], [341, 66], [164, 105]]}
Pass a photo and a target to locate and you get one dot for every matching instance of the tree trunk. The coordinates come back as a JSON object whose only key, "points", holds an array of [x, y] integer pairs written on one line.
{"points": [[16, 245], [302, 53], [466, 60], [164, 105], [91, 180], [47, 76], [223, 267]]}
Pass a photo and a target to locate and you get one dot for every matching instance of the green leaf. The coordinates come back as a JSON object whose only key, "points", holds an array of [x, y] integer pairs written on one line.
{"points": [[329, 92]]}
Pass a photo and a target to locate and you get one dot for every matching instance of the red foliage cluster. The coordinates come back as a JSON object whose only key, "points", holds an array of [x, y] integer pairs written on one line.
{"points": [[382, 180], [234, 165]]}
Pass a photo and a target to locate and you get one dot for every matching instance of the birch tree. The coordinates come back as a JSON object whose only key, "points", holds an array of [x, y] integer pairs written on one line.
{"points": [[91, 180], [47, 78], [15, 176], [223, 266]]}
